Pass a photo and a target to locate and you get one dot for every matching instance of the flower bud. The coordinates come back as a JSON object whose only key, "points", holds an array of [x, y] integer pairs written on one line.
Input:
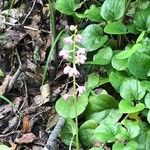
{"points": [[73, 28], [68, 40], [64, 54], [81, 89], [78, 38], [74, 73], [67, 69]]}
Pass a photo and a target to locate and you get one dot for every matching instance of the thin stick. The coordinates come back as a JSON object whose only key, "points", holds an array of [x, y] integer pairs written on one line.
{"points": [[25, 27], [29, 13], [54, 134]]}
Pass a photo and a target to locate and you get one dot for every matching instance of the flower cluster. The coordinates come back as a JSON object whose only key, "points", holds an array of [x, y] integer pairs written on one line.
{"points": [[78, 55]]}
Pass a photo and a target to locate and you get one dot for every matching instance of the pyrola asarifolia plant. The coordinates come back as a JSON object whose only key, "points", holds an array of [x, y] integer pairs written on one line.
{"points": [[78, 56]]}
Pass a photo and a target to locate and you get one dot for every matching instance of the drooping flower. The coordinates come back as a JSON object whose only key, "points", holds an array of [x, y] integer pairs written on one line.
{"points": [[64, 54], [78, 38], [66, 96], [74, 72], [81, 51], [80, 89], [67, 69], [80, 59], [73, 28], [68, 40]]}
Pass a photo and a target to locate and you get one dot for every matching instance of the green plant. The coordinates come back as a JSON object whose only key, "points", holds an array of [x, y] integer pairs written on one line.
{"points": [[117, 41]]}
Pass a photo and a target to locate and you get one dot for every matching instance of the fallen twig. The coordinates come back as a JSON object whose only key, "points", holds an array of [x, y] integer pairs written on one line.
{"points": [[25, 27], [54, 134]]}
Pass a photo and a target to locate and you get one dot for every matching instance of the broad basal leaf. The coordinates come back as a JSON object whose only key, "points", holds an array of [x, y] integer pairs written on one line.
{"points": [[131, 89], [141, 19], [66, 6], [127, 106], [147, 100], [139, 65], [101, 102], [68, 132], [112, 9], [66, 108], [115, 28], [116, 78], [93, 14], [93, 37], [86, 132]]}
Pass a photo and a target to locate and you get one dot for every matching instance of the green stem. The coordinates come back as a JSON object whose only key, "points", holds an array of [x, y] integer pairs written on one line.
{"points": [[75, 96]]}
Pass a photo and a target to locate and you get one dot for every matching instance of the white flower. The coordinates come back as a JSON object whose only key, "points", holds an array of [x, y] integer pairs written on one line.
{"points": [[67, 69], [68, 40], [78, 38], [74, 73], [66, 96], [64, 54], [81, 51], [81, 89], [73, 28]]}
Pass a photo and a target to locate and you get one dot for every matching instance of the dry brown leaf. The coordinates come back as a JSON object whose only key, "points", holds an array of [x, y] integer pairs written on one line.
{"points": [[26, 138], [26, 127]]}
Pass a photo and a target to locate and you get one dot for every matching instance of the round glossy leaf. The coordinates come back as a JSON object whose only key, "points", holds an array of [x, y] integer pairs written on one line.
{"points": [[103, 57], [66, 7], [131, 89], [116, 79], [119, 64], [112, 9], [68, 132], [147, 100], [141, 19], [101, 102], [115, 28], [66, 108], [131, 145], [93, 37], [86, 132], [93, 80], [132, 128], [93, 13], [146, 85], [4, 147], [126, 106], [139, 65]]}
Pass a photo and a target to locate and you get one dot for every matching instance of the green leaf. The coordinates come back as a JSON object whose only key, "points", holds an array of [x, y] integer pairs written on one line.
{"points": [[115, 28], [103, 57], [107, 132], [119, 64], [112, 9], [131, 145], [143, 138], [111, 116], [140, 38], [101, 102], [127, 53], [147, 100], [93, 37], [4, 147], [126, 106], [141, 19], [131, 89], [66, 108], [93, 80], [139, 65], [1, 73], [93, 14], [148, 117], [116, 79], [66, 7], [146, 85], [132, 128], [68, 132], [86, 133]]}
